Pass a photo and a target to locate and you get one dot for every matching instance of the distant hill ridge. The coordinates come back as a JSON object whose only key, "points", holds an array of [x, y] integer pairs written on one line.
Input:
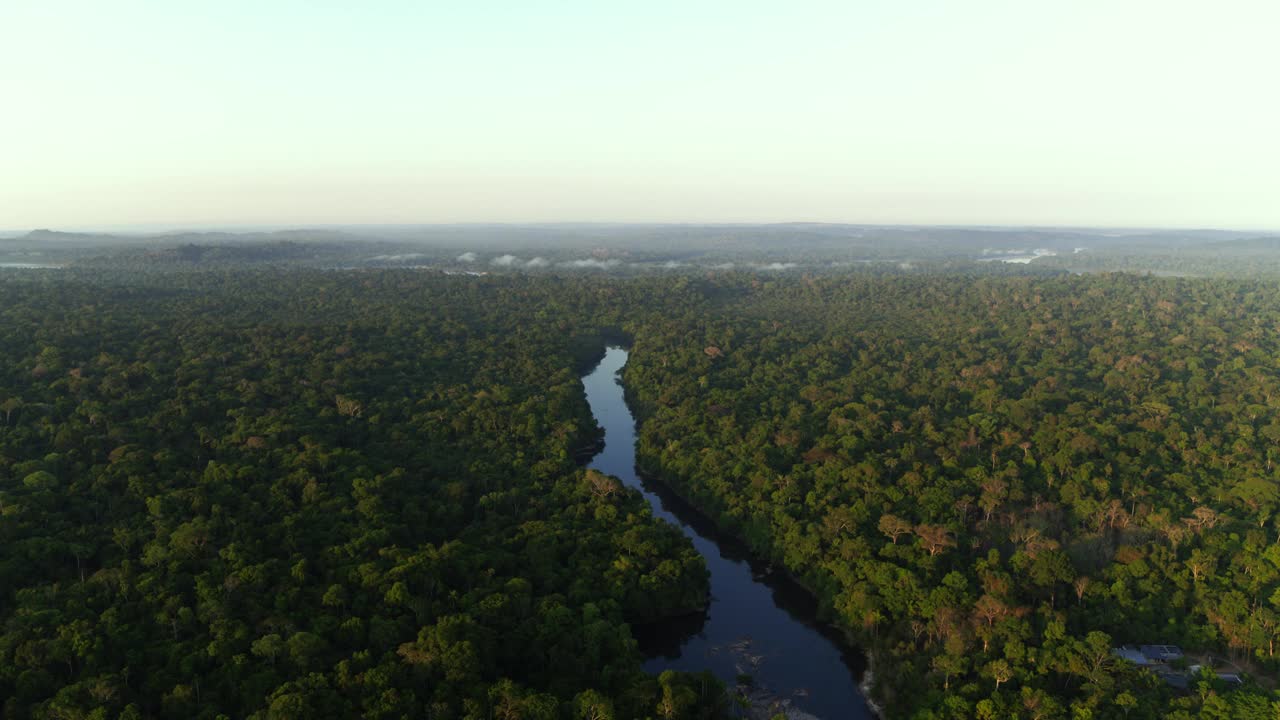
{"points": [[46, 237]]}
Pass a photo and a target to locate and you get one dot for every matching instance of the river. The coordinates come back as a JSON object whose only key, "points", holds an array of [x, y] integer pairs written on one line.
{"points": [[758, 623]]}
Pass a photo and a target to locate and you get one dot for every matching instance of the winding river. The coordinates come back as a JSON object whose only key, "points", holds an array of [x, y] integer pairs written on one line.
{"points": [[758, 623]]}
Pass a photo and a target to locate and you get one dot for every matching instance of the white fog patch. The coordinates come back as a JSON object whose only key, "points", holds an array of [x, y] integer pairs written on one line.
{"points": [[397, 258], [505, 260], [777, 266], [672, 264], [538, 262], [467, 257], [593, 263], [1077, 251], [1013, 256]]}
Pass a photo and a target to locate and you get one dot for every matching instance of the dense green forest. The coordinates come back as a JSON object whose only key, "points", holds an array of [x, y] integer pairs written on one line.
{"points": [[298, 493], [993, 481]]}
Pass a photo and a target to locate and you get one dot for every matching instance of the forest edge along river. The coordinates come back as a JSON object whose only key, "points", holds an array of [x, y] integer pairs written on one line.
{"points": [[758, 623]]}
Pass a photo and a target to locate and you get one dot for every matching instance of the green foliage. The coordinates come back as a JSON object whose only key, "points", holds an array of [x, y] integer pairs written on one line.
{"points": [[991, 481], [336, 494], [314, 495]]}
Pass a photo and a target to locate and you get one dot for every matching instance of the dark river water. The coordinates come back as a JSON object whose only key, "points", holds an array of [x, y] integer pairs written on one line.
{"points": [[758, 624]]}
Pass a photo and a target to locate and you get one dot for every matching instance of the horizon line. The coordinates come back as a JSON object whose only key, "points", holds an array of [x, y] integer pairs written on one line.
{"points": [[178, 228]]}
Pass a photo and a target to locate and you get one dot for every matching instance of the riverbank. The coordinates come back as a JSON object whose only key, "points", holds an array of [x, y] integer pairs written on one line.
{"points": [[768, 570], [763, 705], [761, 624], [867, 686], [775, 572]]}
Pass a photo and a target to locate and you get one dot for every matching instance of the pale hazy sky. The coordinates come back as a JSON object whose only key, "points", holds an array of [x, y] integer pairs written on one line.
{"points": [[1083, 112]]}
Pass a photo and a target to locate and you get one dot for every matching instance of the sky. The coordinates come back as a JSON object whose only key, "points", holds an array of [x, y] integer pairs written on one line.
{"points": [[175, 113]]}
